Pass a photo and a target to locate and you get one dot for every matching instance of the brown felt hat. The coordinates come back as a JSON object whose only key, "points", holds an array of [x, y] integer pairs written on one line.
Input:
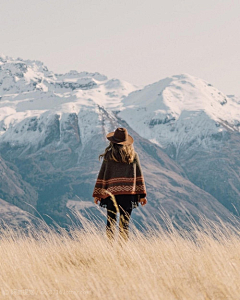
{"points": [[120, 136]]}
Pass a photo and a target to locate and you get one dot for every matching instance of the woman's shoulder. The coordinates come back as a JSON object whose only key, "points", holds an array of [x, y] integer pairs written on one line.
{"points": [[136, 157], [107, 160]]}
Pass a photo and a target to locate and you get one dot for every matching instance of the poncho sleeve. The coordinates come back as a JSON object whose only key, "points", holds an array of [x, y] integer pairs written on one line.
{"points": [[140, 182], [98, 188]]}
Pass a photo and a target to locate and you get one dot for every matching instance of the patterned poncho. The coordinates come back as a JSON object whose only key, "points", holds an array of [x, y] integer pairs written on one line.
{"points": [[120, 178]]}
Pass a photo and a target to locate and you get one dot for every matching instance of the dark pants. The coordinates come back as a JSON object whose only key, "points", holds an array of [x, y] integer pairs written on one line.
{"points": [[125, 209]]}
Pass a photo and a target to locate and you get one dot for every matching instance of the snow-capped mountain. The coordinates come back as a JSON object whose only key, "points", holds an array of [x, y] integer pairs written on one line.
{"points": [[174, 111], [32, 98], [179, 110], [53, 127], [196, 125]]}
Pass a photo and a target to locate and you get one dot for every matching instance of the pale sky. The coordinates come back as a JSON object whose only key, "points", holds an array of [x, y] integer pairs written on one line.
{"points": [[135, 40]]}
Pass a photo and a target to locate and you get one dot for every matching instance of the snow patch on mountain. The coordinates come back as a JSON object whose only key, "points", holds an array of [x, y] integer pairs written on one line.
{"points": [[179, 109], [32, 98], [173, 111]]}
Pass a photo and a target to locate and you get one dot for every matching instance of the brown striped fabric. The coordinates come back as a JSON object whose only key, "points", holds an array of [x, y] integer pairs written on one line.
{"points": [[120, 178]]}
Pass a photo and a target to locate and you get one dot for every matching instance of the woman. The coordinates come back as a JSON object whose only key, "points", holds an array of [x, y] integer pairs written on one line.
{"points": [[120, 184]]}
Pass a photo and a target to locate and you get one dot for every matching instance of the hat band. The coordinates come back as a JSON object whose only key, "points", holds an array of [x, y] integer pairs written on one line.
{"points": [[119, 140]]}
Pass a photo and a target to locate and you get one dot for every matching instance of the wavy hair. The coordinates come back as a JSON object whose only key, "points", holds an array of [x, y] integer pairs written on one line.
{"points": [[119, 153]]}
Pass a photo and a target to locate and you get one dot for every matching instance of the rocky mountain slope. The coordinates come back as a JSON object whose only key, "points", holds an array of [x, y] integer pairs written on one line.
{"points": [[53, 127], [196, 125]]}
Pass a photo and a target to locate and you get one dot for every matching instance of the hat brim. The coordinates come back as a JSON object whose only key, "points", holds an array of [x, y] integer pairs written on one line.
{"points": [[110, 137]]}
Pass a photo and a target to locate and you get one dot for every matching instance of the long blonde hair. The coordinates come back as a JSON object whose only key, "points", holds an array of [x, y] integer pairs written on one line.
{"points": [[119, 153]]}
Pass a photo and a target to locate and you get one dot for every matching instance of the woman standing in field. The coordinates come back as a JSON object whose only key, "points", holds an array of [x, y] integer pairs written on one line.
{"points": [[120, 184]]}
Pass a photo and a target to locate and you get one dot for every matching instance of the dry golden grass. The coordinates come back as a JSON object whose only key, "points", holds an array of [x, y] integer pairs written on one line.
{"points": [[154, 265]]}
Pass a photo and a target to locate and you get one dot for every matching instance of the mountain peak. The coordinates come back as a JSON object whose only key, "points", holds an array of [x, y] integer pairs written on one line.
{"points": [[3, 57], [163, 107], [183, 76], [179, 109]]}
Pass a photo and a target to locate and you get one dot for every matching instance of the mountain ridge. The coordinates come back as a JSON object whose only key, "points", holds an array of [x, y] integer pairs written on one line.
{"points": [[52, 127]]}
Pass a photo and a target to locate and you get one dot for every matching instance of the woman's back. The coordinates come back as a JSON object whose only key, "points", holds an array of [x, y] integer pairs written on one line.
{"points": [[120, 178], [120, 183]]}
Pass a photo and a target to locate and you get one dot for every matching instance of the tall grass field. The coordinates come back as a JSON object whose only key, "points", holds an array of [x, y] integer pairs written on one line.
{"points": [[201, 263]]}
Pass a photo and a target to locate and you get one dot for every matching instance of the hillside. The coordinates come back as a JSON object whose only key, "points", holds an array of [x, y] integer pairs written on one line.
{"points": [[201, 264], [196, 125], [53, 127]]}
